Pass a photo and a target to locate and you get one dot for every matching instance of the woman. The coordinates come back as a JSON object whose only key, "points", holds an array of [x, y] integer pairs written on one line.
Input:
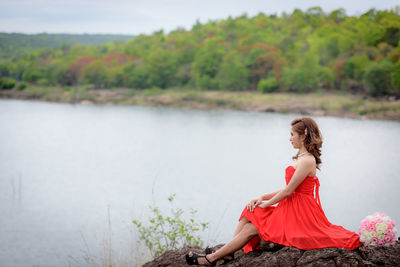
{"points": [[298, 220]]}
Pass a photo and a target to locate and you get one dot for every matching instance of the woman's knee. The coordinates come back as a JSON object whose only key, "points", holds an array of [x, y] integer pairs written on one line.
{"points": [[244, 220], [249, 229]]}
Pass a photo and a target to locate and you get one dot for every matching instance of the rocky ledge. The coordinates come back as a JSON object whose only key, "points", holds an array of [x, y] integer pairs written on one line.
{"points": [[276, 255]]}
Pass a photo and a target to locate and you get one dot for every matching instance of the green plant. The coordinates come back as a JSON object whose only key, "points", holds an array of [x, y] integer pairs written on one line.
{"points": [[267, 85], [169, 232], [7, 83], [377, 78], [21, 86]]}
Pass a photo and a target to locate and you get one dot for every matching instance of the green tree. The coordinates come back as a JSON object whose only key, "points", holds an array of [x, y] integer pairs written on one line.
{"points": [[396, 76], [31, 74], [233, 74], [135, 76], [95, 73], [377, 78], [64, 76], [5, 69], [7, 83], [206, 64], [161, 65]]}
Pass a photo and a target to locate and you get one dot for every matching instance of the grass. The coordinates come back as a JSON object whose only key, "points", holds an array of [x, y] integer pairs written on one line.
{"points": [[128, 257], [332, 103]]}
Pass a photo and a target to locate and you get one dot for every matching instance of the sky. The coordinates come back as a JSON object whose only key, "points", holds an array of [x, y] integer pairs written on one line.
{"points": [[135, 17]]}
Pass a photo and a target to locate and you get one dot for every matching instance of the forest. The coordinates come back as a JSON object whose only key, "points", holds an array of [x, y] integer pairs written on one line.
{"points": [[17, 44], [305, 51]]}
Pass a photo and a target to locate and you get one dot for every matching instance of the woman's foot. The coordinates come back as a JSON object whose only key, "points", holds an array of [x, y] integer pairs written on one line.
{"points": [[193, 258], [227, 258]]}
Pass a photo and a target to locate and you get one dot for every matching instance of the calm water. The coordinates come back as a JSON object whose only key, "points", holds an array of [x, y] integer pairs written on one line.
{"points": [[73, 177]]}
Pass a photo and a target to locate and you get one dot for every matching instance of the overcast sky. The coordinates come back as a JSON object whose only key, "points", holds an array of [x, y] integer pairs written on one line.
{"points": [[146, 16]]}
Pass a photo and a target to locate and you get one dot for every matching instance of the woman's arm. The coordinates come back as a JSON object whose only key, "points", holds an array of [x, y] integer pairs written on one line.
{"points": [[257, 201], [299, 175], [270, 195]]}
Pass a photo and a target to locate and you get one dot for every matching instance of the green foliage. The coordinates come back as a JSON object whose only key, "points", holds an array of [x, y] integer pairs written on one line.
{"points": [[95, 73], [233, 74], [17, 44], [161, 66], [5, 69], [206, 64], [7, 83], [305, 51], [268, 85], [43, 82], [21, 86], [396, 76], [62, 75], [31, 75], [325, 78], [135, 76], [169, 232], [377, 78]]}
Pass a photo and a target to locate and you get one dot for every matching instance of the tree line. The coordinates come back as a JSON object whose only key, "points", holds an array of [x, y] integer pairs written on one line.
{"points": [[17, 44], [300, 52]]}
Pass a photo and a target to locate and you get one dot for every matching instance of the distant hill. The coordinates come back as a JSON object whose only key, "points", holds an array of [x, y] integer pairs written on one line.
{"points": [[16, 44]]}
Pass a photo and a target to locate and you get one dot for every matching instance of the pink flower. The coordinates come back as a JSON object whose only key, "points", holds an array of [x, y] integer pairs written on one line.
{"points": [[375, 240], [381, 243], [387, 239], [392, 236], [371, 228]]}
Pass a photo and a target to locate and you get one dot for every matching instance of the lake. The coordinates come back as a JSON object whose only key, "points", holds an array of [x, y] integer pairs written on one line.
{"points": [[73, 177]]}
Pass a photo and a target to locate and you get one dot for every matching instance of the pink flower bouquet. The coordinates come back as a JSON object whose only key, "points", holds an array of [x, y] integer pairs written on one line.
{"points": [[377, 229]]}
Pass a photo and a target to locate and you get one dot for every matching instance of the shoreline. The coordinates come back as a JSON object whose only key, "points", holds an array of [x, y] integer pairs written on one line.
{"points": [[335, 104]]}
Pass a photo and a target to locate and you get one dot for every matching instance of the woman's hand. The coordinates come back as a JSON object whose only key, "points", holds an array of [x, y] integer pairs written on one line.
{"points": [[254, 203], [264, 205]]}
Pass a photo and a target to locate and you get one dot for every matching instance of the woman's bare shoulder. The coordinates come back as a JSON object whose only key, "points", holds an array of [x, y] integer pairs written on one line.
{"points": [[307, 163]]}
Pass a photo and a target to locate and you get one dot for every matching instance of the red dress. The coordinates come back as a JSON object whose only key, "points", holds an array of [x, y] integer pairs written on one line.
{"points": [[298, 221]]}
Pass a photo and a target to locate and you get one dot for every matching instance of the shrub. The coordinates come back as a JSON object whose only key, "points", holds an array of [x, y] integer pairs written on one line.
{"points": [[43, 82], [21, 86], [396, 77], [268, 85], [169, 232], [31, 76], [7, 83], [377, 78]]}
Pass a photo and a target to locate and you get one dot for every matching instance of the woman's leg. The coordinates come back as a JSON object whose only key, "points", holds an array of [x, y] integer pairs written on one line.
{"points": [[248, 231], [239, 228]]}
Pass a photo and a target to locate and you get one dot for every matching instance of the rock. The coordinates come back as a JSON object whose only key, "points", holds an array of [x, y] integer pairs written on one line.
{"points": [[277, 255], [388, 256], [314, 255]]}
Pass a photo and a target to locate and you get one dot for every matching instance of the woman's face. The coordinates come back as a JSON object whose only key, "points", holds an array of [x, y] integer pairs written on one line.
{"points": [[295, 139]]}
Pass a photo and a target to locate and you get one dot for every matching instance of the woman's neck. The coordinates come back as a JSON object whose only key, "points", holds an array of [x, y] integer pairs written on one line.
{"points": [[302, 150]]}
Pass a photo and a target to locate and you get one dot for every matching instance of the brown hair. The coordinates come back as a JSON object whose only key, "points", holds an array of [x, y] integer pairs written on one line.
{"points": [[313, 141]]}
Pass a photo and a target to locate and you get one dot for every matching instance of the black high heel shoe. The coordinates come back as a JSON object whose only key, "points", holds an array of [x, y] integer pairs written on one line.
{"points": [[210, 250], [194, 259]]}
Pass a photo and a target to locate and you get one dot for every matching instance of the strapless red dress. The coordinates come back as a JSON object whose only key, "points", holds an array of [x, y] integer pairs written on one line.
{"points": [[298, 221]]}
